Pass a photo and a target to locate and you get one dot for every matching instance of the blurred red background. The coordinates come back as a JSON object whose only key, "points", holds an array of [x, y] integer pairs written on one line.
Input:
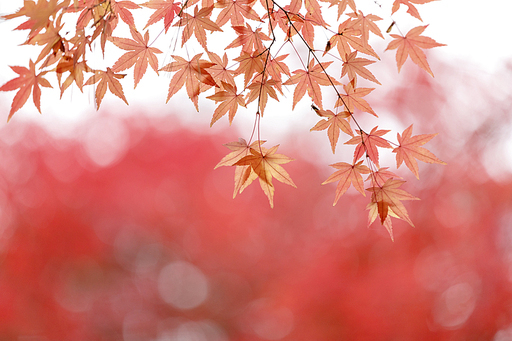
{"points": [[127, 232]]}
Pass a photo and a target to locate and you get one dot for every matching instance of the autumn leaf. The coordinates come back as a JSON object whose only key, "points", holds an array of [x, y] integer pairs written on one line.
{"points": [[356, 66], [348, 36], [230, 101], [76, 74], [249, 40], [197, 24], [106, 79], [261, 90], [27, 82], [333, 124], [366, 23], [368, 143], [140, 54], [389, 197], [266, 165], [411, 9], [39, 14], [164, 9], [353, 98], [244, 175], [411, 46], [219, 71], [310, 80], [410, 149], [122, 9], [191, 73], [236, 11], [346, 175]]}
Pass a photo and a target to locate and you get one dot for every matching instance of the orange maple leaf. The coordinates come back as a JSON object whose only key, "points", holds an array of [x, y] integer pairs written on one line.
{"points": [[409, 150], [192, 74], [197, 24], [388, 198], [249, 40], [27, 82], [366, 23], [139, 54], [164, 9], [244, 175], [122, 9], [310, 80], [106, 79], [412, 10], [230, 102], [76, 73], [333, 124], [411, 45], [260, 90], [356, 66], [236, 11], [348, 36], [39, 14], [353, 98], [266, 165], [368, 143], [346, 175], [219, 71]]}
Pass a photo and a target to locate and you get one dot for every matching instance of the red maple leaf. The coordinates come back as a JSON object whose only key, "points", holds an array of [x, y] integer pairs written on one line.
{"points": [[164, 9], [310, 80], [368, 143], [346, 175], [333, 124], [27, 82], [409, 150], [191, 73], [412, 45], [139, 54], [106, 79], [230, 101], [412, 10]]}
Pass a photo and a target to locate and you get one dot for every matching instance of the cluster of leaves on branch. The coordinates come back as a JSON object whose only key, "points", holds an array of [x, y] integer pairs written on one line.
{"points": [[250, 70]]}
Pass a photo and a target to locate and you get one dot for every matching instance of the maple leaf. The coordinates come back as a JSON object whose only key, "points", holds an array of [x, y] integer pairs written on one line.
{"points": [[261, 90], [230, 102], [353, 66], [374, 213], [76, 73], [346, 175], [39, 14], [333, 124], [310, 80], [27, 82], [51, 38], [266, 165], [106, 79], [412, 10], [368, 143], [411, 45], [348, 36], [197, 24], [249, 65], [219, 71], [122, 8], [164, 9], [388, 197], [409, 150], [192, 74], [249, 40], [367, 24], [235, 10], [381, 176], [353, 98], [139, 54], [244, 175]]}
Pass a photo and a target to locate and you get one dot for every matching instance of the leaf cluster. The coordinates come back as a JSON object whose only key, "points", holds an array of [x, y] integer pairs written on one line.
{"points": [[254, 68]]}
